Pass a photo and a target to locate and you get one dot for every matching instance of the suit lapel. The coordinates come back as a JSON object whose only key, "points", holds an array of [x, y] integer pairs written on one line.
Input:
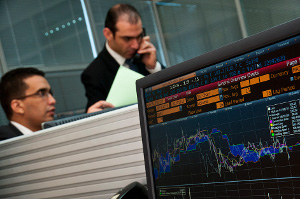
{"points": [[15, 130]]}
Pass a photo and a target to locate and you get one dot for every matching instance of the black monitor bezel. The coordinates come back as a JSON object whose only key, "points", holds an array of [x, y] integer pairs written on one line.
{"points": [[257, 41]]}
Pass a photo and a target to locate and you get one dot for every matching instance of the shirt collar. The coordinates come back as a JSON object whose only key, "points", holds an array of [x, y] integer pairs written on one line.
{"points": [[21, 128], [115, 55]]}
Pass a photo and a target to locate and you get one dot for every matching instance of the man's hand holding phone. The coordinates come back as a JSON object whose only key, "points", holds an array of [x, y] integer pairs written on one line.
{"points": [[148, 53]]}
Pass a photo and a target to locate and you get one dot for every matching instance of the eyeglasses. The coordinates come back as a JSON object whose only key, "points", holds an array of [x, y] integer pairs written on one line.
{"points": [[43, 93]]}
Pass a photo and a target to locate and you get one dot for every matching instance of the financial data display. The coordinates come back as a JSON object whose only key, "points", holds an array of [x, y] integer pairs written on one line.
{"points": [[230, 130]]}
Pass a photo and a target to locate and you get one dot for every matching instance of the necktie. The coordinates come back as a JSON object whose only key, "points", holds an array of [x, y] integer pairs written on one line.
{"points": [[131, 65]]}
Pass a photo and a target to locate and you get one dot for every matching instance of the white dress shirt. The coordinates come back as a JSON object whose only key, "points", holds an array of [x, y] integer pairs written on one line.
{"points": [[21, 128]]}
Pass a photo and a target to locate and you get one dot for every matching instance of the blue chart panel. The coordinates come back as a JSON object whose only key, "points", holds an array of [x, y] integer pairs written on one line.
{"points": [[247, 151]]}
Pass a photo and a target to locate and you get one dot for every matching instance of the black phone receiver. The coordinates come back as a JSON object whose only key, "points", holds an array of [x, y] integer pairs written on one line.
{"points": [[138, 57], [134, 190]]}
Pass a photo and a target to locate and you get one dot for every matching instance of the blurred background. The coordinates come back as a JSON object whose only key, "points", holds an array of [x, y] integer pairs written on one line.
{"points": [[61, 37]]}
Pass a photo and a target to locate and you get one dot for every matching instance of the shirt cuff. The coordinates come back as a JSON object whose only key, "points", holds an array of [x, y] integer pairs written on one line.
{"points": [[156, 69]]}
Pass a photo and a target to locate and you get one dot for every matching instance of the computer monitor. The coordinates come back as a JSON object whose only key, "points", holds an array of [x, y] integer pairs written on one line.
{"points": [[76, 117], [226, 124]]}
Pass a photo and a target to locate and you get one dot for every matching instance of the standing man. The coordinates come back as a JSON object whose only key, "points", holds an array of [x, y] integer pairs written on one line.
{"points": [[27, 101], [124, 39]]}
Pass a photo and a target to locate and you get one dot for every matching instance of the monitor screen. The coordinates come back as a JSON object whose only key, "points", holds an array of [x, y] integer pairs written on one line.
{"points": [[226, 124]]}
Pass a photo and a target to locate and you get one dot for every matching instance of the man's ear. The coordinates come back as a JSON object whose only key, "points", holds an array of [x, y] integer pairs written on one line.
{"points": [[17, 106], [108, 34]]}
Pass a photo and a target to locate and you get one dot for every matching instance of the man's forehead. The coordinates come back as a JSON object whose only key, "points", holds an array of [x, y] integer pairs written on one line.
{"points": [[124, 27], [34, 78], [128, 18], [36, 82]]}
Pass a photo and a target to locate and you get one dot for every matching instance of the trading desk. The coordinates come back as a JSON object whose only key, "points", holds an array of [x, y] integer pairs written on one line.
{"points": [[87, 159]]}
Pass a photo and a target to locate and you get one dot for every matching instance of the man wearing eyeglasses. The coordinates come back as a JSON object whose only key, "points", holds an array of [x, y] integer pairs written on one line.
{"points": [[28, 101], [125, 40]]}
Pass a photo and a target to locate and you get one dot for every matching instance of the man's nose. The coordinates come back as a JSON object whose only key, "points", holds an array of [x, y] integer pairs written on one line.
{"points": [[51, 99], [135, 43]]}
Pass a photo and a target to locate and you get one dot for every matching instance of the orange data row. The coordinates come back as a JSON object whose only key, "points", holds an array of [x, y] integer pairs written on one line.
{"points": [[171, 104], [155, 103], [210, 100], [207, 94], [267, 93], [160, 120], [255, 80], [168, 111], [245, 91], [296, 69]]}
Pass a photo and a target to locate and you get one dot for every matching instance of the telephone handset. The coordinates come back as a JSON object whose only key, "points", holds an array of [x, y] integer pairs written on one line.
{"points": [[138, 57]]}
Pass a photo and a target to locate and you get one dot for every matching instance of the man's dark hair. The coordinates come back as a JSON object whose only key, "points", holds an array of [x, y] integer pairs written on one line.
{"points": [[12, 86], [113, 14]]}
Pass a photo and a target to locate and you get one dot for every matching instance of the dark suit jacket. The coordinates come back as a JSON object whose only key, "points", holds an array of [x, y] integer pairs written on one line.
{"points": [[9, 131], [98, 77]]}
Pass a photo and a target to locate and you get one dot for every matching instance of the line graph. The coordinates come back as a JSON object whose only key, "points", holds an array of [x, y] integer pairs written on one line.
{"points": [[238, 155], [246, 150]]}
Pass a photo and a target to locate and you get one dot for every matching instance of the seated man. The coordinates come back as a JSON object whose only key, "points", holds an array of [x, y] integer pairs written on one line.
{"points": [[124, 39], [27, 101]]}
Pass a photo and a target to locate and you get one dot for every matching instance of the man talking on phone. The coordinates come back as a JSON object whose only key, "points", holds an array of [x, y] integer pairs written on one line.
{"points": [[126, 45]]}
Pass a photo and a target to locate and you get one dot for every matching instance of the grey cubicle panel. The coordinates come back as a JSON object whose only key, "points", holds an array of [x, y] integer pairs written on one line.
{"points": [[88, 159]]}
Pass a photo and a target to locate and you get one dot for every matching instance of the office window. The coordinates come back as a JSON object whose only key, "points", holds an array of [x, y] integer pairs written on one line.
{"points": [[261, 15], [51, 36], [43, 33], [194, 27]]}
